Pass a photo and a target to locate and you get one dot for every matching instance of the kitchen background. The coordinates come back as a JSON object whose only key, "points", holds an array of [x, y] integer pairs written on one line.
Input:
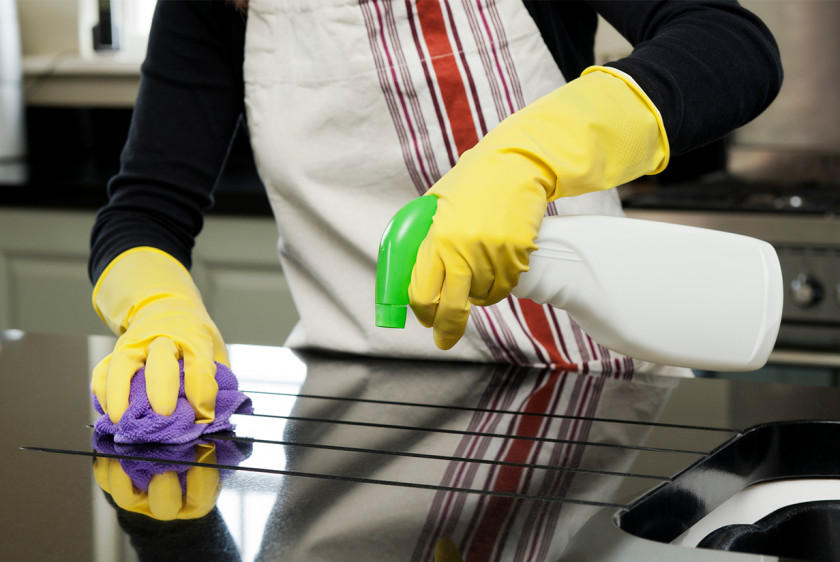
{"points": [[69, 71]]}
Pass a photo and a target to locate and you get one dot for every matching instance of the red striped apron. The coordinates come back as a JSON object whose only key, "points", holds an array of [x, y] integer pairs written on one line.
{"points": [[355, 108]]}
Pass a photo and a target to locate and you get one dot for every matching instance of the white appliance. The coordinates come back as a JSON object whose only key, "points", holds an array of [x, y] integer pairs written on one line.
{"points": [[12, 130]]}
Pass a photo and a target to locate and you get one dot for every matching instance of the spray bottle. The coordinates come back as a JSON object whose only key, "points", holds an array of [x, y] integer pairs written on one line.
{"points": [[666, 293]]}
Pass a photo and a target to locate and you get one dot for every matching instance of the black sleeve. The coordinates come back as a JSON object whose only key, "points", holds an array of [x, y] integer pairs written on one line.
{"points": [[709, 66], [188, 107]]}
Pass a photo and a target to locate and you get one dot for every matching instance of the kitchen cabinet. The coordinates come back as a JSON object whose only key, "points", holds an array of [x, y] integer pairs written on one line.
{"points": [[68, 80], [44, 284]]}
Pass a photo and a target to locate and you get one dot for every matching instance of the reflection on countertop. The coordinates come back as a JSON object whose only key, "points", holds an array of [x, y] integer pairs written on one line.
{"points": [[356, 459]]}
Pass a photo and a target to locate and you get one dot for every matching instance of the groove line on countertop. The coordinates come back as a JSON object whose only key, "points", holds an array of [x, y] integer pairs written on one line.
{"points": [[497, 411], [429, 456], [477, 434], [356, 480]]}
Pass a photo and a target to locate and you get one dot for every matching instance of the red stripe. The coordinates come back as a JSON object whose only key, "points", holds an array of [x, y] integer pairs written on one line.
{"points": [[537, 322], [447, 507], [552, 315], [430, 83], [448, 75], [582, 409], [508, 478]]}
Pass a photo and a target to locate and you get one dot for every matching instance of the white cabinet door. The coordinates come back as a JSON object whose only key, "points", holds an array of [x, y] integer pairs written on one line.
{"points": [[43, 272], [44, 285]]}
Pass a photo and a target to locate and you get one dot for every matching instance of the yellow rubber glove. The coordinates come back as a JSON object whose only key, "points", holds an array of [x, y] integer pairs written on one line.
{"points": [[149, 300], [596, 132], [446, 551], [165, 500]]}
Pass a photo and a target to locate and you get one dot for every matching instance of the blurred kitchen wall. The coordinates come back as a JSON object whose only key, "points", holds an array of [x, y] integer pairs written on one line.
{"points": [[53, 27], [806, 114]]}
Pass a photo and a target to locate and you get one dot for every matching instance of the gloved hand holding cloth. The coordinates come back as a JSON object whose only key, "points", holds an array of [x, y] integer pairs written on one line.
{"points": [[594, 133], [150, 301]]}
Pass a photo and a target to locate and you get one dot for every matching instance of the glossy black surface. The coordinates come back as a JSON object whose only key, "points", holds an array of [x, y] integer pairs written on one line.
{"points": [[348, 459]]}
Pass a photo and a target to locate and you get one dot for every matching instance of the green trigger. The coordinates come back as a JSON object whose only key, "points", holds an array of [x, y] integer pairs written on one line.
{"points": [[397, 254]]}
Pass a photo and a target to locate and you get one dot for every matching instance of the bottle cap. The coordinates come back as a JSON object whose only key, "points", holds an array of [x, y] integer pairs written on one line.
{"points": [[390, 315]]}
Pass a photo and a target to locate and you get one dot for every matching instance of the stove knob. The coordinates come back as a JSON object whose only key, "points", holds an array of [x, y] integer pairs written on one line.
{"points": [[805, 291]]}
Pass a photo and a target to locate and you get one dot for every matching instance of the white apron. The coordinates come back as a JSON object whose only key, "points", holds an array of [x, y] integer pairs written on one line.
{"points": [[357, 107]]}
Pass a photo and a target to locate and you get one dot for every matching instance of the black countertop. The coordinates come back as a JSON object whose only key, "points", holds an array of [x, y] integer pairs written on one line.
{"points": [[350, 459]]}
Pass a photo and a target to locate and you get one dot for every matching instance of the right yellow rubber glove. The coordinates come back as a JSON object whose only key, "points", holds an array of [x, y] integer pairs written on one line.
{"points": [[150, 301], [594, 133]]}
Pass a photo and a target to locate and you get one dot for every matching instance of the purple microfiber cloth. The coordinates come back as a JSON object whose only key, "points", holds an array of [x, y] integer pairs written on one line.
{"points": [[148, 460], [140, 424]]}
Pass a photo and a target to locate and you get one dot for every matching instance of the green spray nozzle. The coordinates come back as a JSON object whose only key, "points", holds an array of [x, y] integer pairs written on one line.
{"points": [[397, 254]]}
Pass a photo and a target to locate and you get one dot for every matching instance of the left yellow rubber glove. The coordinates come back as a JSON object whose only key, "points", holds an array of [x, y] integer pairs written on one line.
{"points": [[150, 300], [594, 133], [164, 500]]}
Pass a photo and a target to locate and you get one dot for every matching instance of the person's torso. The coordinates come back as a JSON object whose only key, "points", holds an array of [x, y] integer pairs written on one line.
{"points": [[356, 107]]}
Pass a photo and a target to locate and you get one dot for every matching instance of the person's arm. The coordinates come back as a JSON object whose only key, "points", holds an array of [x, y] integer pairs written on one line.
{"points": [[698, 70], [709, 66], [187, 110]]}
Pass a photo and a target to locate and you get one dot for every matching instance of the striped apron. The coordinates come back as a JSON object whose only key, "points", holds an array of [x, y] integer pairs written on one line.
{"points": [[355, 107]]}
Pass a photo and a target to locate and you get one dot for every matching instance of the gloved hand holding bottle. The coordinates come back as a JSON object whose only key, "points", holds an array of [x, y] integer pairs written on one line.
{"points": [[150, 301], [594, 133]]}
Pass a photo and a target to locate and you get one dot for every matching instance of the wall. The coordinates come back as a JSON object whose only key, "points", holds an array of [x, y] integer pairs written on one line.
{"points": [[53, 27]]}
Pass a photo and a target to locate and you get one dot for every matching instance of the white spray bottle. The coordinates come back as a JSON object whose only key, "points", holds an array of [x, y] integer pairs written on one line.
{"points": [[670, 294]]}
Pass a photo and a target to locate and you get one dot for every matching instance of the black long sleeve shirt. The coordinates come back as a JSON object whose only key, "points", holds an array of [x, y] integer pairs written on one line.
{"points": [[709, 66]]}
